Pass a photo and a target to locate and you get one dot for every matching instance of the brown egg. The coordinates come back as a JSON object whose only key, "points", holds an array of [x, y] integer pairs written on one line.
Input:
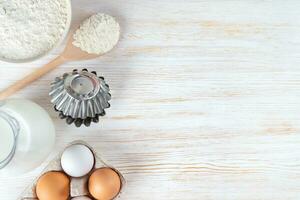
{"points": [[53, 186], [104, 184]]}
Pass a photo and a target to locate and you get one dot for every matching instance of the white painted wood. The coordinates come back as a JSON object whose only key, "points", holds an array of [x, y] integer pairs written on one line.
{"points": [[205, 99]]}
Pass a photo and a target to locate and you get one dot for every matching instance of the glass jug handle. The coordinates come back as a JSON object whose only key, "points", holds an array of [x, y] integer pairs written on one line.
{"points": [[14, 124]]}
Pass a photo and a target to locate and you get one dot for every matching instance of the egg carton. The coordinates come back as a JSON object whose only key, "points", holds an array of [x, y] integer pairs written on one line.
{"points": [[78, 186]]}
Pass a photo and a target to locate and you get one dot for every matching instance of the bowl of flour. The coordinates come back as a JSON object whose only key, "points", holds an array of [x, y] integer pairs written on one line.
{"points": [[30, 29]]}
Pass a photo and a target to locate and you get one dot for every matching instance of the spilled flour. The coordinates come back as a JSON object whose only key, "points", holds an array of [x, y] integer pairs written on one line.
{"points": [[97, 34], [30, 28]]}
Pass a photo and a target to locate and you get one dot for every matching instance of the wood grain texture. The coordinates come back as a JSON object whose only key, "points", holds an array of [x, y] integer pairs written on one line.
{"points": [[205, 99]]}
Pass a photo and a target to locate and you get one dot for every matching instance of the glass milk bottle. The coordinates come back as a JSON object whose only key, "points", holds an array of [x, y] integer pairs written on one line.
{"points": [[27, 136]]}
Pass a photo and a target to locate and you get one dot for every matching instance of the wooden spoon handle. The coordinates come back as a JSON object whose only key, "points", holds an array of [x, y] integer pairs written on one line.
{"points": [[31, 77]]}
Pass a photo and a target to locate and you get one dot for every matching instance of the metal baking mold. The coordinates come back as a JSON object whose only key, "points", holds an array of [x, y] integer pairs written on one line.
{"points": [[80, 96]]}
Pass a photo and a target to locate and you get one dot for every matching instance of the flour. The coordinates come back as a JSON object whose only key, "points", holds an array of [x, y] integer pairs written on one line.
{"points": [[30, 28], [97, 34]]}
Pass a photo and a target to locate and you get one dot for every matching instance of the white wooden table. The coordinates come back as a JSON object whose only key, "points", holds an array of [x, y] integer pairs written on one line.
{"points": [[206, 99]]}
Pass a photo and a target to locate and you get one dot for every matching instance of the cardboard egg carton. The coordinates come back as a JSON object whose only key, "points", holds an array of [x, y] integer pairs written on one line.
{"points": [[78, 186]]}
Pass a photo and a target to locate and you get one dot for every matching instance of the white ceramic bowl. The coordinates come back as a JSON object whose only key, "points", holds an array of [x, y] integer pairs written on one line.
{"points": [[63, 36]]}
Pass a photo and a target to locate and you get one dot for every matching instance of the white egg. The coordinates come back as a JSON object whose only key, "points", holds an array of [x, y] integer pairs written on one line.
{"points": [[77, 160], [81, 198]]}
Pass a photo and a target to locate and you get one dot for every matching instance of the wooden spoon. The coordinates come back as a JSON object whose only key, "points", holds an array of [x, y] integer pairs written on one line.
{"points": [[70, 53]]}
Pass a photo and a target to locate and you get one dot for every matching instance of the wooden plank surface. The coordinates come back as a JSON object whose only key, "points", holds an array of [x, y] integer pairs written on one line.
{"points": [[205, 99]]}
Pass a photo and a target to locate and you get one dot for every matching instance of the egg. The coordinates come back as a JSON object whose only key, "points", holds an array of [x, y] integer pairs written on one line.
{"points": [[81, 198], [104, 184], [53, 186], [77, 160]]}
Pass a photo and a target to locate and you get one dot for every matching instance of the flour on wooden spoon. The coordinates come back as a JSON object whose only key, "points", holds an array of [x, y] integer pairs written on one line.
{"points": [[97, 34]]}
